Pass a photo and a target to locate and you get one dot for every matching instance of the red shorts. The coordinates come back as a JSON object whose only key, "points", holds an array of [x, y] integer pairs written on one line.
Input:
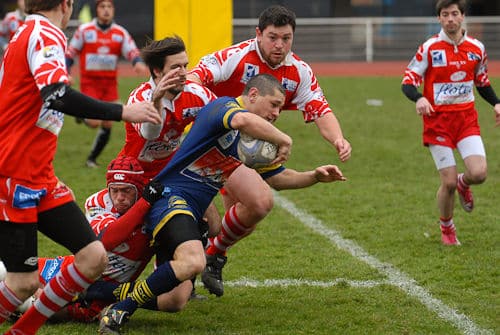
{"points": [[448, 128], [105, 89], [21, 201]]}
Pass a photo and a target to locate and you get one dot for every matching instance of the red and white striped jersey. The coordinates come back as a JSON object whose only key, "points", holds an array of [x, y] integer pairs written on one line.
{"points": [[10, 23], [449, 71], [154, 154], [127, 260], [34, 59], [226, 72], [100, 49]]}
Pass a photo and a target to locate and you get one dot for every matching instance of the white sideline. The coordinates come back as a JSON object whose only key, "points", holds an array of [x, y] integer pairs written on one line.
{"points": [[246, 282], [395, 277]]}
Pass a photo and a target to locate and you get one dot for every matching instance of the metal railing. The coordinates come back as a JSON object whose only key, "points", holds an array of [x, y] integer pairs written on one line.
{"points": [[371, 38]]}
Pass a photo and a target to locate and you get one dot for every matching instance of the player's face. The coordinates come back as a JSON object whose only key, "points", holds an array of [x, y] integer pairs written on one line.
{"points": [[105, 12], [451, 19], [275, 43], [177, 63], [122, 197], [266, 106]]}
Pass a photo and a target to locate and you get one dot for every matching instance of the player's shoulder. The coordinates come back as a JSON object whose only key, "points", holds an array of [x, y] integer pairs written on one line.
{"points": [[143, 92], [99, 199], [92, 25], [117, 28], [193, 89]]}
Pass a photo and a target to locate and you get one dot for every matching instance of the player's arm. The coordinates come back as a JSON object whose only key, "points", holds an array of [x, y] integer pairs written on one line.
{"points": [[119, 230], [257, 127], [488, 94], [292, 179], [422, 104], [63, 98], [329, 128]]}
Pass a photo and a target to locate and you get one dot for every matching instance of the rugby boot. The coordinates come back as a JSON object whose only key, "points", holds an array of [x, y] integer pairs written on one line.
{"points": [[449, 235], [212, 274], [112, 321]]}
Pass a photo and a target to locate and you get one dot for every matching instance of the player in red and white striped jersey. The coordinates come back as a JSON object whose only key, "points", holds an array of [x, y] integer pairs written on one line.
{"points": [[226, 72], [34, 96], [100, 44], [179, 102], [116, 215], [450, 64], [10, 23]]}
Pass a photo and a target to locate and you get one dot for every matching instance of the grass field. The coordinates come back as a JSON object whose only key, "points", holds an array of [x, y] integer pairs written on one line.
{"points": [[360, 257]]}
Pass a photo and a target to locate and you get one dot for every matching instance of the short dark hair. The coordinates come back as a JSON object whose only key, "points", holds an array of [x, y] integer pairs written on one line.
{"points": [[154, 52], [33, 6], [447, 3], [278, 16], [265, 83]]}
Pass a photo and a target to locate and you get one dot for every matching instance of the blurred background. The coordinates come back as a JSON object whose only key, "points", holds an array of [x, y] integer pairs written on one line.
{"points": [[327, 30]]}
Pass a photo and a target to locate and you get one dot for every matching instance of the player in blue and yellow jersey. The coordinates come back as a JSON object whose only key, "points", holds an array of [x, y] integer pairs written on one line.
{"points": [[199, 169]]}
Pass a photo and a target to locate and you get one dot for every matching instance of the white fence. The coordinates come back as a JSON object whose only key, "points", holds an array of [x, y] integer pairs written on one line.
{"points": [[371, 39]]}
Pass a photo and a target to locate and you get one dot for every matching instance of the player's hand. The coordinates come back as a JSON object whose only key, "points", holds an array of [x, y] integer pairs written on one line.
{"points": [[343, 148], [284, 150], [424, 107], [497, 114], [328, 173], [141, 112], [153, 191], [172, 79]]}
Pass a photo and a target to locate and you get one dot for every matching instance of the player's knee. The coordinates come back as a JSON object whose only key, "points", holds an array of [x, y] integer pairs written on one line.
{"points": [[172, 304], [92, 260], [263, 206], [26, 287], [477, 176]]}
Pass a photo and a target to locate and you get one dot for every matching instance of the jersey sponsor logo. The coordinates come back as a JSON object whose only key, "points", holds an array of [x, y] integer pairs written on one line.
{"points": [[453, 93], [96, 62], [51, 268], [120, 268], [289, 84], [32, 261], [103, 49], [177, 202], [117, 38], [90, 36], [13, 25], [190, 112], [155, 150], [438, 58], [458, 76], [251, 70], [212, 168], [473, 56], [50, 51], [25, 197], [50, 120], [227, 139]]}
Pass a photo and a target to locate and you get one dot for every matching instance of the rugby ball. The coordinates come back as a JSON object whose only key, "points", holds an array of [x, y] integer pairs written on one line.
{"points": [[256, 153]]}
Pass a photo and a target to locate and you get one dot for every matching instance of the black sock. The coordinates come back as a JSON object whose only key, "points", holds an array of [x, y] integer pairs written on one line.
{"points": [[101, 139]]}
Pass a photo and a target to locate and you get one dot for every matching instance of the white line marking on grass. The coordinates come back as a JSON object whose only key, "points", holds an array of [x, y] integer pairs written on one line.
{"points": [[246, 282], [395, 276]]}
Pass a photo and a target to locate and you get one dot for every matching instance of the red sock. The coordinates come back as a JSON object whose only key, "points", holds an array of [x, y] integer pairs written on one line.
{"points": [[57, 293], [8, 302], [232, 231]]}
